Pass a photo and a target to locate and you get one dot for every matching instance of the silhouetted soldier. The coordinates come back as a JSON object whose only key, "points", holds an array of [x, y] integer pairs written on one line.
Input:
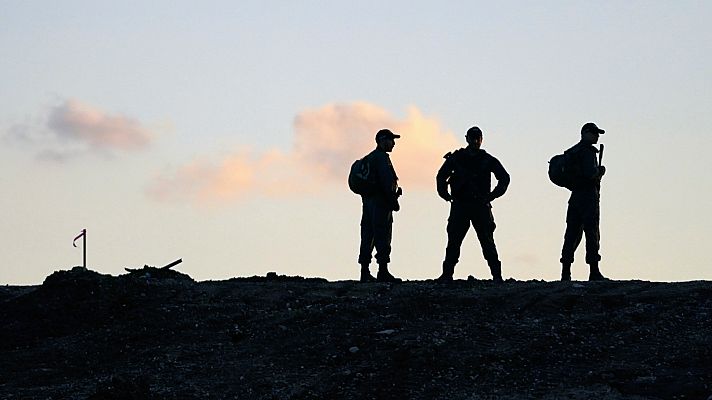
{"points": [[468, 172], [378, 207], [583, 213]]}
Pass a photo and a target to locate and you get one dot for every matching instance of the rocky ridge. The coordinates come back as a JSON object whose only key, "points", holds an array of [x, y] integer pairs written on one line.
{"points": [[158, 334]]}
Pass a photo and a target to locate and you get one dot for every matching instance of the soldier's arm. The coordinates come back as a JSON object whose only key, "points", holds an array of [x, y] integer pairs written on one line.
{"points": [[384, 176], [441, 179], [502, 179], [589, 166]]}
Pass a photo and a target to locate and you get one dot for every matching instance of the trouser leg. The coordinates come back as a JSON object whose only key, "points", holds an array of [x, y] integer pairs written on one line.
{"points": [[573, 234], [593, 240], [484, 225], [457, 225], [382, 234], [593, 234], [367, 230]]}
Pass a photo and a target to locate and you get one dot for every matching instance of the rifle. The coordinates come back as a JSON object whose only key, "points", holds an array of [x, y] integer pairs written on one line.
{"points": [[600, 155], [165, 267]]}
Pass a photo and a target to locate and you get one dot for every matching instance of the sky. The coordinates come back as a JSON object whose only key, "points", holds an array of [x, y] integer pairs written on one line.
{"points": [[221, 132]]}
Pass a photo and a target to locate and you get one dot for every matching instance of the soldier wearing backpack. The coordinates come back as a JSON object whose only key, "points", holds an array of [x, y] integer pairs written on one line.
{"points": [[583, 213], [468, 173], [379, 202]]}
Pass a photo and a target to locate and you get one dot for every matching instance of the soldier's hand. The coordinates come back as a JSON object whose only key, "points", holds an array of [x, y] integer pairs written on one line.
{"points": [[602, 170], [445, 196]]}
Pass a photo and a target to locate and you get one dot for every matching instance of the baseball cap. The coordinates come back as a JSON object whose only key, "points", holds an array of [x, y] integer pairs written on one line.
{"points": [[386, 134], [590, 126], [474, 131]]}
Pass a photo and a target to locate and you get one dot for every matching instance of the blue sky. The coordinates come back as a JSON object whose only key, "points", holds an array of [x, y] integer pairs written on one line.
{"points": [[216, 131]]}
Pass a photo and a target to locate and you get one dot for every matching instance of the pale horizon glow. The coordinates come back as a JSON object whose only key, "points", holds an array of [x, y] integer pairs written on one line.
{"points": [[222, 132]]}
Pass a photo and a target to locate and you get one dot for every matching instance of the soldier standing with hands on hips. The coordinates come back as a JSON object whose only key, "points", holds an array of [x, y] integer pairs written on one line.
{"points": [[468, 173]]}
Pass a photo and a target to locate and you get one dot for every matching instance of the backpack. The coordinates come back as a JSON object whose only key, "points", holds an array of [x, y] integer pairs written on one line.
{"points": [[361, 180], [465, 174], [563, 170]]}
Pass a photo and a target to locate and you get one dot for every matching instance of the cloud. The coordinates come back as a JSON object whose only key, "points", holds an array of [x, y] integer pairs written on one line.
{"points": [[20, 134], [326, 141], [57, 157], [235, 176], [74, 128], [330, 138], [80, 122]]}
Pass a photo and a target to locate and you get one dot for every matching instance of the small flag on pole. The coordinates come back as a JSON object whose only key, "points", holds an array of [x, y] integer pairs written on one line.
{"points": [[84, 245], [74, 242]]}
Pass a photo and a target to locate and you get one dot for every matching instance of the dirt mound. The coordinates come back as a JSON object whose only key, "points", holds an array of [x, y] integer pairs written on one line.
{"points": [[148, 335], [81, 299], [158, 275], [274, 277]]}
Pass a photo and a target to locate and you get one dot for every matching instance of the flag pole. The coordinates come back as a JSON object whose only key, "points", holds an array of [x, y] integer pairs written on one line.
{"points": [[82, 235]]}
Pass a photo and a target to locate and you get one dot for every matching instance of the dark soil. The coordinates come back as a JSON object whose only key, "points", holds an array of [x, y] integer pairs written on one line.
{"points": [[157, 334]]}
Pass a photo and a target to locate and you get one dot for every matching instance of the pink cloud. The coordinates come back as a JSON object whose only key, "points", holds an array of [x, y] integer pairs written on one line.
{"points": [[202, 180], [330, 138], [80, 122], [326, 141], [234, 177], [74, 129]]}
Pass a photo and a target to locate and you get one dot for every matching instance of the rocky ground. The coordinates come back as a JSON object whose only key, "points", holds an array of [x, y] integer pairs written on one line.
{"points": [[157, 334]]}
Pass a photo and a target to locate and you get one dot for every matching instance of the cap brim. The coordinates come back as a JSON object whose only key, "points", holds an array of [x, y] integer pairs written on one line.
{"points": [[396, 136]]}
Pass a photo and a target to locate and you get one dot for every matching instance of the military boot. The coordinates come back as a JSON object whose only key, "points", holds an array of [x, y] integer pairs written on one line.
{"points": [[496, 269], [595, 274], [385, 276], [565, 272], [366, 274], [448, 272]]}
